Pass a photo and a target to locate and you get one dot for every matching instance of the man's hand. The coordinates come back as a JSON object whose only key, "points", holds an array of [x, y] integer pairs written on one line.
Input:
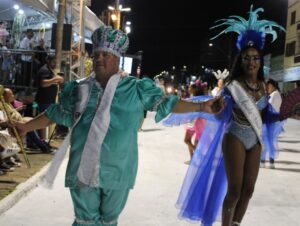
{"points": [[59, 79], [123, 73], [214, 106]]}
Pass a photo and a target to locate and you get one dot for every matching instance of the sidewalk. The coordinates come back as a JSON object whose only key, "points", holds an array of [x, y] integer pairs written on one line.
{"points": [[14, 185], [162, 154]]}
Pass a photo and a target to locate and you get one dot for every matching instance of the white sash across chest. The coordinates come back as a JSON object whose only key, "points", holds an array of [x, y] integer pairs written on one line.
{"points": [[88, 172], [248, 107]]}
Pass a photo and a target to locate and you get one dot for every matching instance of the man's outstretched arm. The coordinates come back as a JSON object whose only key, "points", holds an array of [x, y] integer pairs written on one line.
{"points": [[213, 106], [39, 122]]}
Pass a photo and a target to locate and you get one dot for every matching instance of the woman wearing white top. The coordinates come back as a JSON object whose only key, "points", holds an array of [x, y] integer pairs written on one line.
{"points": [[275, 100], [220, 76]]}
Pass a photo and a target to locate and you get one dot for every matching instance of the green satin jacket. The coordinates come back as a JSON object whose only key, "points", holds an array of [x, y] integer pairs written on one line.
{"points": [[119, 151]]}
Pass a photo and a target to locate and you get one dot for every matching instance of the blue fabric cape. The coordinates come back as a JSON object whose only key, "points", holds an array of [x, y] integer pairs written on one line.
{"points": [[272, 128]]}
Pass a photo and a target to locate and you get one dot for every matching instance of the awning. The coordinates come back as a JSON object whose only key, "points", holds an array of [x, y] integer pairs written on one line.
{"points": [[30, 8], [47, 9], [286, 75]]}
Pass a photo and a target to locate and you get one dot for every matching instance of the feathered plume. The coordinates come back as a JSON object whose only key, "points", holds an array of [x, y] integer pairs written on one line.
{"points": [[252, 32]]}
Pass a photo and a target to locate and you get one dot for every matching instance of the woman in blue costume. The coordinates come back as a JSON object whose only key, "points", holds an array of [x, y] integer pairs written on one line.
{"points": [[274, 128], [225, 165]]}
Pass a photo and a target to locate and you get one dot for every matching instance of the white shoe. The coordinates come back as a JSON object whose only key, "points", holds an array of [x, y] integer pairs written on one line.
{"points": [[18, 164], [262, 165]]}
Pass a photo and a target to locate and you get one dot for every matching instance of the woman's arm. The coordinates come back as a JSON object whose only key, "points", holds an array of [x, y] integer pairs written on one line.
{"points": [[210, 106]]}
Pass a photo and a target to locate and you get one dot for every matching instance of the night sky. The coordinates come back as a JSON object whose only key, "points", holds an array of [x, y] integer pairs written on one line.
{"points": [[177, 32]]}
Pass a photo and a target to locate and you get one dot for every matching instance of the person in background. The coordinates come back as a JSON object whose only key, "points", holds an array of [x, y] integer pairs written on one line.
{"points": [[7, 65], [8, 148], [88, 64], [271, 133], [40, 55], [195, 128], [220, 76], [47, 83], [33, 141], [24, 79]]}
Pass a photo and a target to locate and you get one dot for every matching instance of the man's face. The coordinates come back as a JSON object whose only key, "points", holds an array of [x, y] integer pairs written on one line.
{"points": [[52, 63], [105, 64], [29, 34]]}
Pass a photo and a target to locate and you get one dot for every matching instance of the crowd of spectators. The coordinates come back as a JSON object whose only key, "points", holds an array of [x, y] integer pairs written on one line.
{"points": [[32, 67], [19, 66], [9, 148]]}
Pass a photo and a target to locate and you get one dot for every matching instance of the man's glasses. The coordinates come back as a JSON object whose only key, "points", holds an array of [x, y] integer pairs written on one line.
{"points": [[249, 58]]}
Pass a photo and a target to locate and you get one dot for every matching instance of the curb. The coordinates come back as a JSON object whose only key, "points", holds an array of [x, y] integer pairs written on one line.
{"points": [[22, 190]]}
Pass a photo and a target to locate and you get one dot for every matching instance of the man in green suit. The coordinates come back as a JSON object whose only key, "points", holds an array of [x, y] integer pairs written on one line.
{"points": [[104, 112]]}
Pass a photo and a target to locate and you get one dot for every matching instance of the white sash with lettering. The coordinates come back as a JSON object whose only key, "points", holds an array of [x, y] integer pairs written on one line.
{"points": [[88, 171], [84, 90], [248, 107]]}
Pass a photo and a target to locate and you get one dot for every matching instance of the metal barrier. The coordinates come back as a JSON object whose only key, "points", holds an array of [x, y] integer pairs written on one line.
{"points": [[18, 68]]}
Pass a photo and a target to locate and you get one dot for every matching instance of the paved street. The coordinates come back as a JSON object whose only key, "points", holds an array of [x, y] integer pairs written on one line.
{"points": [[162, 155]]}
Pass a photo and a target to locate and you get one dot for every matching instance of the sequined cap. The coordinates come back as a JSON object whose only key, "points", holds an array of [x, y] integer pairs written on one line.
{"points": [[107, 39]]}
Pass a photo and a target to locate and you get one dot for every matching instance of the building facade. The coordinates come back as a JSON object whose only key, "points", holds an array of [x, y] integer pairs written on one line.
{"points": [[290, 73]]}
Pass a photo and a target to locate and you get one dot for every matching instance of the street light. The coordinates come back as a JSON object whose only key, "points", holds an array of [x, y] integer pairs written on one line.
{"points": [[221, 51], [116, 13], [114, 17], [127, 27], [15, 6], [21, 11]]}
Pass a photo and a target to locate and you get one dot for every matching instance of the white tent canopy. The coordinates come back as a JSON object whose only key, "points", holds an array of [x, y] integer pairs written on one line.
{"points": [[30, 8], [46, 11]]}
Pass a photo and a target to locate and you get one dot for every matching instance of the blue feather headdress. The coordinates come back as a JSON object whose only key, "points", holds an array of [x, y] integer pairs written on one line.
{"points": [[252, 32]]}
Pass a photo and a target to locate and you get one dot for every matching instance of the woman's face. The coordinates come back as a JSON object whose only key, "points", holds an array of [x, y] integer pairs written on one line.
{"points": [[251, 61], [220, 83], [270, 88]]}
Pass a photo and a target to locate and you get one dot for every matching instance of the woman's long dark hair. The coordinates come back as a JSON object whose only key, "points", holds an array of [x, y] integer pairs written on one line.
{"points": [[237, 70]]}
